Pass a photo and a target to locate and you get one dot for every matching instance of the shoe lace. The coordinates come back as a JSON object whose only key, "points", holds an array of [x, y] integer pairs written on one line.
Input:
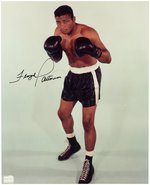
{"points": [[67, 149], [85, 171]]}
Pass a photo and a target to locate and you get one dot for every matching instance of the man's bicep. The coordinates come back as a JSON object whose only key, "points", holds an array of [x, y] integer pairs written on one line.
{"points": [[97, 40], [56, 32], [94, 37]]}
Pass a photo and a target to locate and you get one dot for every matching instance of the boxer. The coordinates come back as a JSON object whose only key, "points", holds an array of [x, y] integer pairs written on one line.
{"points": [[85, 51]]}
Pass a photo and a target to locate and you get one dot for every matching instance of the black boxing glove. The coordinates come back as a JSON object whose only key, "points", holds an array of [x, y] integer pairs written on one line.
{"points": [[53, 48], [84, 46]]}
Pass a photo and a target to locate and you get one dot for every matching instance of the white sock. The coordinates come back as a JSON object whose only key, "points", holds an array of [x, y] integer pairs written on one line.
{"points": [[70, 135], [90, 153]]}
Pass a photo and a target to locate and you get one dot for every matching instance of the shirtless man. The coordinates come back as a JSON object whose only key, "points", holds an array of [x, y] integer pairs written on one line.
{"points": [[84, 51]]}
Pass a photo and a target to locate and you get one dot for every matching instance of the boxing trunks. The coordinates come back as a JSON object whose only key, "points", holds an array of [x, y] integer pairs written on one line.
{"points": [[83, 85]]}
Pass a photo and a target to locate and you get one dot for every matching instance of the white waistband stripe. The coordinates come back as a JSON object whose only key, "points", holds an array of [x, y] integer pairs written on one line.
{"points": [[82, 70], [96, 85]]}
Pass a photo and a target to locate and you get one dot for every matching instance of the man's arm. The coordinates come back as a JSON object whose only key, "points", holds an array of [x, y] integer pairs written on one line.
{"points": [[93, 36]]}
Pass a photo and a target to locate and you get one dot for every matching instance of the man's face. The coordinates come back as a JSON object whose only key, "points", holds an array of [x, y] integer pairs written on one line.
{"points": [[65, 24]]}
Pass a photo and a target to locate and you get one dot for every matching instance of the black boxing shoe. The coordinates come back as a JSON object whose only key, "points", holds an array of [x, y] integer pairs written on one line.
{"points": [[70, 150], [87, 173]]}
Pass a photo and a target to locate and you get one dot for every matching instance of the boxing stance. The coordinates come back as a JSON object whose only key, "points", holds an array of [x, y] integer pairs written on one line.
{"points": [[84, 51]]}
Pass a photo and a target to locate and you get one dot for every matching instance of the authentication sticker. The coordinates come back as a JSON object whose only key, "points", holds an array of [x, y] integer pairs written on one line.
{"points": [[9, 179]]}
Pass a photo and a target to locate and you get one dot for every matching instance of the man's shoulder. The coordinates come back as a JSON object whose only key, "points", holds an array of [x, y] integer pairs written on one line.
{"points": [[56, 32], [86, 29], [84, 26]]}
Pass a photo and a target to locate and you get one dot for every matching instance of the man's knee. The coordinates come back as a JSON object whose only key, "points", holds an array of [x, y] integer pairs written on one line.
{"points": [[88, 123], [62, 114]]}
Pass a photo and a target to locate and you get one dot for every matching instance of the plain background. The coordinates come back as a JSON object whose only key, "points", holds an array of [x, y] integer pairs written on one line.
{"points": [[32, 135]]}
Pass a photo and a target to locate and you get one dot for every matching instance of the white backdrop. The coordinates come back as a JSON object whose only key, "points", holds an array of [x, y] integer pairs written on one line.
{"points": [[31, 131]]}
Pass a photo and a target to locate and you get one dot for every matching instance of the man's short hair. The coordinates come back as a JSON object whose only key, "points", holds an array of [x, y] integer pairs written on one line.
{"points": [[64, 10]]}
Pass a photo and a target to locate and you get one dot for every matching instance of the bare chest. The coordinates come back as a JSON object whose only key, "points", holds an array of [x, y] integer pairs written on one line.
{"points": [[68, 45]]}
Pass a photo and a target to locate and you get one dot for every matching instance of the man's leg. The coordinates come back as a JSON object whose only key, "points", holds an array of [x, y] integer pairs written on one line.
{"points": [[64, 113], [65, 116], [90, 139], [89, 128]]}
